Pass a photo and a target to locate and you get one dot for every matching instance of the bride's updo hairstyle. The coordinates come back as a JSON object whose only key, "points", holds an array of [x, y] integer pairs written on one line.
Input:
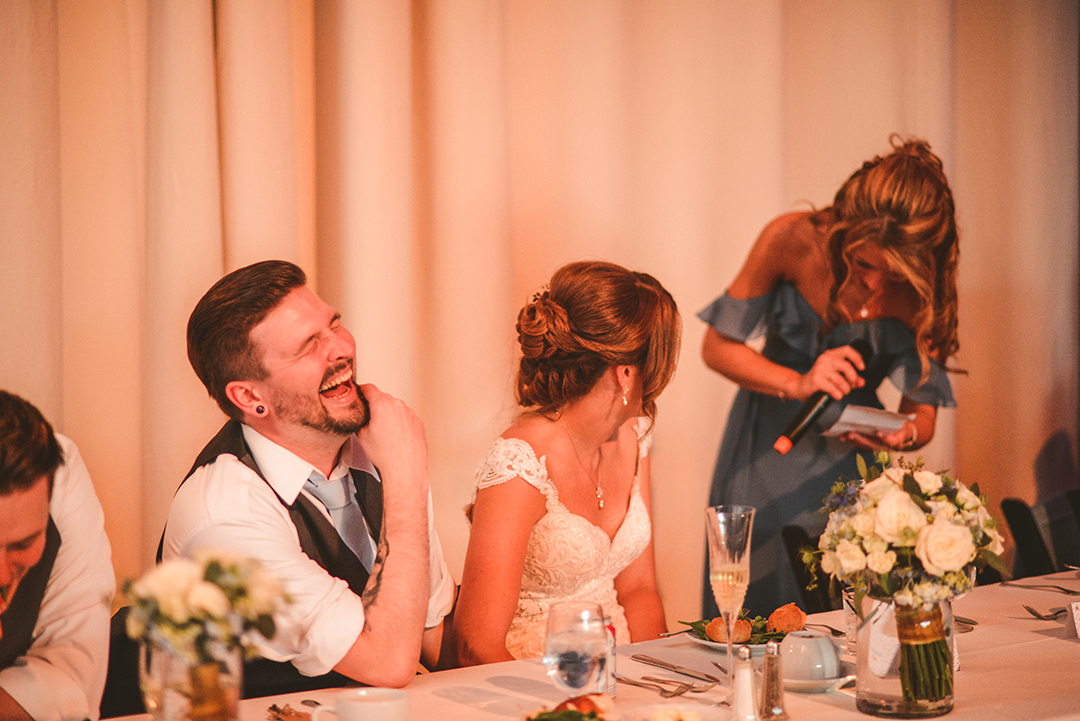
{"points": [[593, 316]]}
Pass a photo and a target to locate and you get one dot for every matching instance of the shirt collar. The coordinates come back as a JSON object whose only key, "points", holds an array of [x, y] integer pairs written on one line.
{"points": [[286, 472]]}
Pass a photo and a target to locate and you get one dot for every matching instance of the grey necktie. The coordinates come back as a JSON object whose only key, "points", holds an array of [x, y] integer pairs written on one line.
{"points": [[339, 498]]}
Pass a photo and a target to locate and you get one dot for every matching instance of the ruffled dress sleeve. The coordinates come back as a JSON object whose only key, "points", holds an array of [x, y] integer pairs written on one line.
{"points": [[935, 391], [510, 458], [739, 319]]}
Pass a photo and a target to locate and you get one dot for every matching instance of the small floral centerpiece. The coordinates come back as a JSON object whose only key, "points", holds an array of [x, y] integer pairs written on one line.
{"points": [[914, 538], [196, 615]]}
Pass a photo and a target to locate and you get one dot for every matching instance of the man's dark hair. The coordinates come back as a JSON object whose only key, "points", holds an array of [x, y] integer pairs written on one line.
{"points": [[219, 330], [28, 446]]}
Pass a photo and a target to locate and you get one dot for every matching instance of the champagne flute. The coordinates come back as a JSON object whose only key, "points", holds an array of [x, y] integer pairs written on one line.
{"points": [[729, 530], [575, 648]]}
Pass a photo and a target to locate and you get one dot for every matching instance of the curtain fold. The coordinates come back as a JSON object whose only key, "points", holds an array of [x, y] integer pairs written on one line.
{"points": [[431, 163]]}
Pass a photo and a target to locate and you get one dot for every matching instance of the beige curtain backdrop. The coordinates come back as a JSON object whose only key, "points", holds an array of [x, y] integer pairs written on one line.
{"points": [[430, 163]]}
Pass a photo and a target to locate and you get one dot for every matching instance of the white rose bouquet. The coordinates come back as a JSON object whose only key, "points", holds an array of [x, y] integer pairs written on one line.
{"points": [[907, 535], [198, 608]]}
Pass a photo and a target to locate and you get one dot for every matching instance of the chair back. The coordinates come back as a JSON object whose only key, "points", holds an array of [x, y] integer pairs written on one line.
{"points": [[819, 598], [1031, 550], [122, 696]]}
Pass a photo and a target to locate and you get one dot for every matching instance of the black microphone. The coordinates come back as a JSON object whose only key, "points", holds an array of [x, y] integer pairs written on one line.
{"points": [[815, 405]]}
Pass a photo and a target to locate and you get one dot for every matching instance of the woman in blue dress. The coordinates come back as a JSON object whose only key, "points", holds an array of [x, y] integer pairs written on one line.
{"points": [[879, 264]]}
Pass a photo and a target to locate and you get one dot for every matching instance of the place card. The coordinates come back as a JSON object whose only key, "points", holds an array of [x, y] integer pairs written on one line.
{"points": [[1074, 609]]}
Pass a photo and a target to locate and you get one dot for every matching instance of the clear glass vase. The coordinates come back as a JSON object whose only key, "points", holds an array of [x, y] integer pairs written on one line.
{"points": [[905, 660], [175, 689]]}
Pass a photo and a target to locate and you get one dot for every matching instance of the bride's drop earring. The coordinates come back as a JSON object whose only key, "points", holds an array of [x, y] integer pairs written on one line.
{"points": [[625, 390]]}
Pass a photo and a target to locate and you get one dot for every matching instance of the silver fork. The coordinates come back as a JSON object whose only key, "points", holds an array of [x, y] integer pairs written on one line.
{"points": [[664, 692], [673, 682], [1044, 616], [1042, 587]]}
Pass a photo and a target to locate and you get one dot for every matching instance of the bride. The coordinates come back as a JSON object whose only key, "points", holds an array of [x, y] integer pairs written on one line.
{"points": [[562, 507]]}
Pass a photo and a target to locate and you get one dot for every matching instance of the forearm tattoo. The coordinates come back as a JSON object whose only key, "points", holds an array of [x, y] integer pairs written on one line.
{"points": [[371, 591]]}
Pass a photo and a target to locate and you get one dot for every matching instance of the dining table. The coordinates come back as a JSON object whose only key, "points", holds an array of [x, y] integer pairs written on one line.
{"points": [[1011, 666]]}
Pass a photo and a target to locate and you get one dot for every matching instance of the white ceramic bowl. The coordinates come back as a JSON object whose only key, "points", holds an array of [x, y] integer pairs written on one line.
{"points": [[809, 656]]}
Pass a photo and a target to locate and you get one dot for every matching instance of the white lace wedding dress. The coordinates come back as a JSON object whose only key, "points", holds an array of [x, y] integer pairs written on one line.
{"points": [[568, 557]]}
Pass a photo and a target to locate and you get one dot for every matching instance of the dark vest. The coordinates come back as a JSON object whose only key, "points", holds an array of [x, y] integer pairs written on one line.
{"points": [[18, 620], [318, 539]]}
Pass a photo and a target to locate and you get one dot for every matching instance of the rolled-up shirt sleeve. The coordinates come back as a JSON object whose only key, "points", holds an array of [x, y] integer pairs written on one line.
{"points": [[226, 505], [62, 675]]}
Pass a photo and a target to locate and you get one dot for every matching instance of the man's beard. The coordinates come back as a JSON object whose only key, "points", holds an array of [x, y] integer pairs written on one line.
{"points": [[360, 417], [313, 414]]}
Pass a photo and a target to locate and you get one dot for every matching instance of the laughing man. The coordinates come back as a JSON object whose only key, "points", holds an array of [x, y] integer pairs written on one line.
{"points": [[322, 479]]}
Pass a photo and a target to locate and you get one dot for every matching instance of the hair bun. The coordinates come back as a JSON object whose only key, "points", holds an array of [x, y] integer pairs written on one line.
{"points": [[544, 328]]}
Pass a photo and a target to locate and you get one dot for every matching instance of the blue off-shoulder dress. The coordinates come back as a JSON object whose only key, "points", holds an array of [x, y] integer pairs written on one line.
{"points": [[789, 489]]}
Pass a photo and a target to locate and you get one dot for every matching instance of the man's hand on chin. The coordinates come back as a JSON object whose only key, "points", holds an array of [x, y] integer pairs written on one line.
{"points": [[394, 440]]}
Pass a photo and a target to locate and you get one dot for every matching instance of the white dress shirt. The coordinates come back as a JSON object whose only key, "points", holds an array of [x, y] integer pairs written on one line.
{"points": [[226, 505], [62, 675]]}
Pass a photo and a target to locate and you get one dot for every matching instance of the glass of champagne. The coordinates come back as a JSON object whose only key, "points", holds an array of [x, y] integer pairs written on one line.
{"points": [[728, 529], [575, 648]]}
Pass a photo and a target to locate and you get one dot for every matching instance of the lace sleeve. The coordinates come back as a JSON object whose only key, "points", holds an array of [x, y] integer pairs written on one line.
{"points": [[513, 458]]}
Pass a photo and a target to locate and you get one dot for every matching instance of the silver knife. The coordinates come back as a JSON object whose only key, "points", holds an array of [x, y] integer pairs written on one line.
{"points": [[672, 667]]}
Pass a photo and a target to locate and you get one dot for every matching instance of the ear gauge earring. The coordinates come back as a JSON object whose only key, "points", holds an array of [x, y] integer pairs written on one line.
{"points": [[259, 410]]}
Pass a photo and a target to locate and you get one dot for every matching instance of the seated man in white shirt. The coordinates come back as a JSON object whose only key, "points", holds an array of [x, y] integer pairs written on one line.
{"points": [[322, 480], [56, 574]]}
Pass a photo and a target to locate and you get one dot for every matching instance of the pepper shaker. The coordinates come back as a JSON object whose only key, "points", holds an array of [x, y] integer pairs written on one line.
{"points": [[745, 701], [772, 686]]}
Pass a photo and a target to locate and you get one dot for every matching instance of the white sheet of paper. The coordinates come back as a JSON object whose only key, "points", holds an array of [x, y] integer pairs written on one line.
{"points": [[867, 420]]}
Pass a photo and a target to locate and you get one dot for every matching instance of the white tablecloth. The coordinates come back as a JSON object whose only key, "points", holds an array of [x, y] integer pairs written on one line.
{"points": [[1013, 666]]}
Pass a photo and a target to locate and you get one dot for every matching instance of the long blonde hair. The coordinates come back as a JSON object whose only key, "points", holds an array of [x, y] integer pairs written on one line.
{"points": [[902, 204]]}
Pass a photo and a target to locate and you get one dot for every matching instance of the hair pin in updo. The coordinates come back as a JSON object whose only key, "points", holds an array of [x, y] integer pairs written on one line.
{"points": [[541, 294]]}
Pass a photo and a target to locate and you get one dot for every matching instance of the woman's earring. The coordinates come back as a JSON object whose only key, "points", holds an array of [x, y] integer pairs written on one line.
{"points": [[625, 390]]}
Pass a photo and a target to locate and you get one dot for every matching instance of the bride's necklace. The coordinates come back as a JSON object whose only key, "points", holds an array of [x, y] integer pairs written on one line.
{"points": [[599, 490]]}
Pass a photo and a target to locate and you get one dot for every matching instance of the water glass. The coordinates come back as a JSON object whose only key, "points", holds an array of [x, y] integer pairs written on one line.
{"points": [[576, 646]]}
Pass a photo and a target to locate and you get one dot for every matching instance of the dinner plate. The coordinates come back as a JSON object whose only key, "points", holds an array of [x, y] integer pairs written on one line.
{"points": [[822, 685], [705, 711], [756, 649]]}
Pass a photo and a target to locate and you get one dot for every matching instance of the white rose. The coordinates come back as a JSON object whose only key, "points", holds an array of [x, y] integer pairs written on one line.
{"points": [[943, 509], [896, 513], [829, 564], [168, 584], [876, 489], [928, 482], [850, 556], [881, 562], [966, 499], [170, 578], [943, 546], [875, 544], [206, 598], [894, 474], [997, 543], [863, 524]]}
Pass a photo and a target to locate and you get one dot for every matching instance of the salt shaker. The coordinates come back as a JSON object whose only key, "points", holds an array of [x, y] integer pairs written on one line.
{"points": [[745, 701], [772, 686]]}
